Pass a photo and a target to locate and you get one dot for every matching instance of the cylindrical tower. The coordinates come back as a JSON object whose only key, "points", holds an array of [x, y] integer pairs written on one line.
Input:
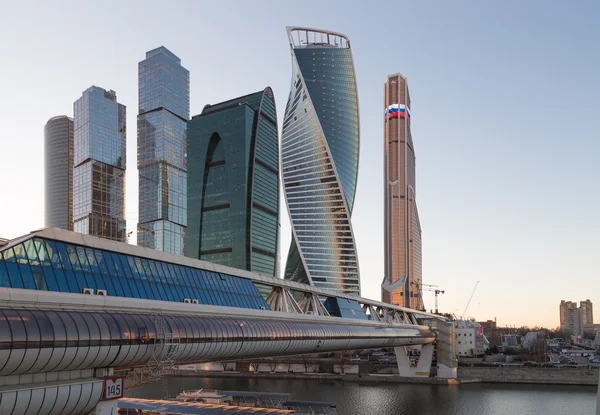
{"points": [[58, 172]]}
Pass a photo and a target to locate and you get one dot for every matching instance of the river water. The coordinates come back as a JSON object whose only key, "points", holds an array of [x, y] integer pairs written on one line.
{"points": [[401, 399]]}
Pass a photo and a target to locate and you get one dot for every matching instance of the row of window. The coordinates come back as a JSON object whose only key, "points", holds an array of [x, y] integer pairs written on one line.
{"points": [[40, 264]]}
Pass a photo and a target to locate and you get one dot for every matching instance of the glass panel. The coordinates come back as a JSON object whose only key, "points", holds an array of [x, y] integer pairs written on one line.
{"points": [[9, 255], [82, 329], [27, 276], [81, 281], [71, 257], [45, 325], [71, 332], [103, 327], [137, 290], [39, 279], [31, 252], [94, 329], [108, 283], [91, 260], [120, 274], [116, 281], [5, 335], [52, 249], [181, 279], [20, 255], [42, 253], [61, 279], [72, 282], [19, 336], [58, 329], [110, 265], [81, 254], [4, 282]]}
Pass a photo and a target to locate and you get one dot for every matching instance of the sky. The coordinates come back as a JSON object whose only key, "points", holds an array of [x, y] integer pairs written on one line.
{"points": [[504, 115]]}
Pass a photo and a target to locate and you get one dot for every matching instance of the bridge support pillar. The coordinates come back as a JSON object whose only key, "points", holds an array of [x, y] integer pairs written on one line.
{"points": [[423, 364]]}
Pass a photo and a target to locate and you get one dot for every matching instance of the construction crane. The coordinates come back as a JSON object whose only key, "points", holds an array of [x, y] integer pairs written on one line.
{"points": [[470, 298], [435, 289]]}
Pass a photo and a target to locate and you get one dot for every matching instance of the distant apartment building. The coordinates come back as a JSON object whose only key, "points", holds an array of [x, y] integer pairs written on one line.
{"points": [[58, 172], [233, 184], [563, 307], [99, 165], [164, 109], [402, 231], [573, 318], [587, 312]]}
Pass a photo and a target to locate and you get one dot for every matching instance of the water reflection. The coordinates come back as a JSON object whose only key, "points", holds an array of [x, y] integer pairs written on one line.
{"points": [[401, 399]]}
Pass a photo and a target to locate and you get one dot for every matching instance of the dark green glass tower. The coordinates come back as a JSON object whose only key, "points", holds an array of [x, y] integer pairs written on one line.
{"points": [[233, 186]]}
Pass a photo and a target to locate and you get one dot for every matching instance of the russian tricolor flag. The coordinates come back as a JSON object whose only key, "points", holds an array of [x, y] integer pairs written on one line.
{"points": [[395, 111]]}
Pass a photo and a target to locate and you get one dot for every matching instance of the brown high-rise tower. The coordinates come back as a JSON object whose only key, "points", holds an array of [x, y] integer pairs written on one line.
{"points": [[402, 280]]}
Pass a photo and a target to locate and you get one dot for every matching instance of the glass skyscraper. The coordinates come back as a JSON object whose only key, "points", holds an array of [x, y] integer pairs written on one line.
{"points": [[233, 184], [99, 160], [402, 273], [319, 160], [58, 172], [164, 108]]}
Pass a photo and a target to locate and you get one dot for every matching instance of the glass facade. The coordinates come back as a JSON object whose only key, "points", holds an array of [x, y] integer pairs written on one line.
{"points": [[403, 269], [99, 160], [233, 184], [319, 155], [50, 265], [58, 172], [164, 108]]}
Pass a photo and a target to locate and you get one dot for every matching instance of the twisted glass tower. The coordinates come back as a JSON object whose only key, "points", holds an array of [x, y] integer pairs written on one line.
{"points": [[319, 160]]}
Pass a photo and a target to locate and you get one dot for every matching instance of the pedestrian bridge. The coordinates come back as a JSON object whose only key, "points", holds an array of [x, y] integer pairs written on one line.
{"points": [[74, 307]]}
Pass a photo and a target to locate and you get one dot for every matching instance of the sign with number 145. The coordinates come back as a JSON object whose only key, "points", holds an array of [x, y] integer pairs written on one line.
{"points": [[113, 387]]}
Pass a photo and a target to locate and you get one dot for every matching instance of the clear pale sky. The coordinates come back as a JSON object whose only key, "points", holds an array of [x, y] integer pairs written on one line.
{"points": [[505, 121]]}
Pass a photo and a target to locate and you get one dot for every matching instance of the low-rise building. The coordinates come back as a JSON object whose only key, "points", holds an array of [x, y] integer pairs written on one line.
{"points": [[470, 339]]}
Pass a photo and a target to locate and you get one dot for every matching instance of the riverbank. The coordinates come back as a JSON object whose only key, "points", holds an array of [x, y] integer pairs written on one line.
{"points": [[531, 375], [511, 375], [371, 378]]}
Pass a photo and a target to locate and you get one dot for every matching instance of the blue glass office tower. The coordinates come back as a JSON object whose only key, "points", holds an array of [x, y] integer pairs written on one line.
{"points": [[319, 160], [164, 108], [99, 160], [233, 184]]}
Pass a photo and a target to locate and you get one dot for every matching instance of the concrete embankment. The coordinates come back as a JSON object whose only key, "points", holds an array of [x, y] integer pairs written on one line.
{"points": [[316, 376], [548, 376]]}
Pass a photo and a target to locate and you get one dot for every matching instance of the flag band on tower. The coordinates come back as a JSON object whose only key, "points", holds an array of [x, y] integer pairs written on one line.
{"points": [[395, 111]]}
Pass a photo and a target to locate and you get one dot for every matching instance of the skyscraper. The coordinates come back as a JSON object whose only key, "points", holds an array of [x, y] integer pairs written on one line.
{"points": [[99, 160], [319, 160], [402, 245], [164, 109], [58, 172], [233, 184]]}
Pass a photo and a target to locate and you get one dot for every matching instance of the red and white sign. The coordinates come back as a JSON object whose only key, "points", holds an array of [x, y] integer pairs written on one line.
{"points": [[114, 387]]}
